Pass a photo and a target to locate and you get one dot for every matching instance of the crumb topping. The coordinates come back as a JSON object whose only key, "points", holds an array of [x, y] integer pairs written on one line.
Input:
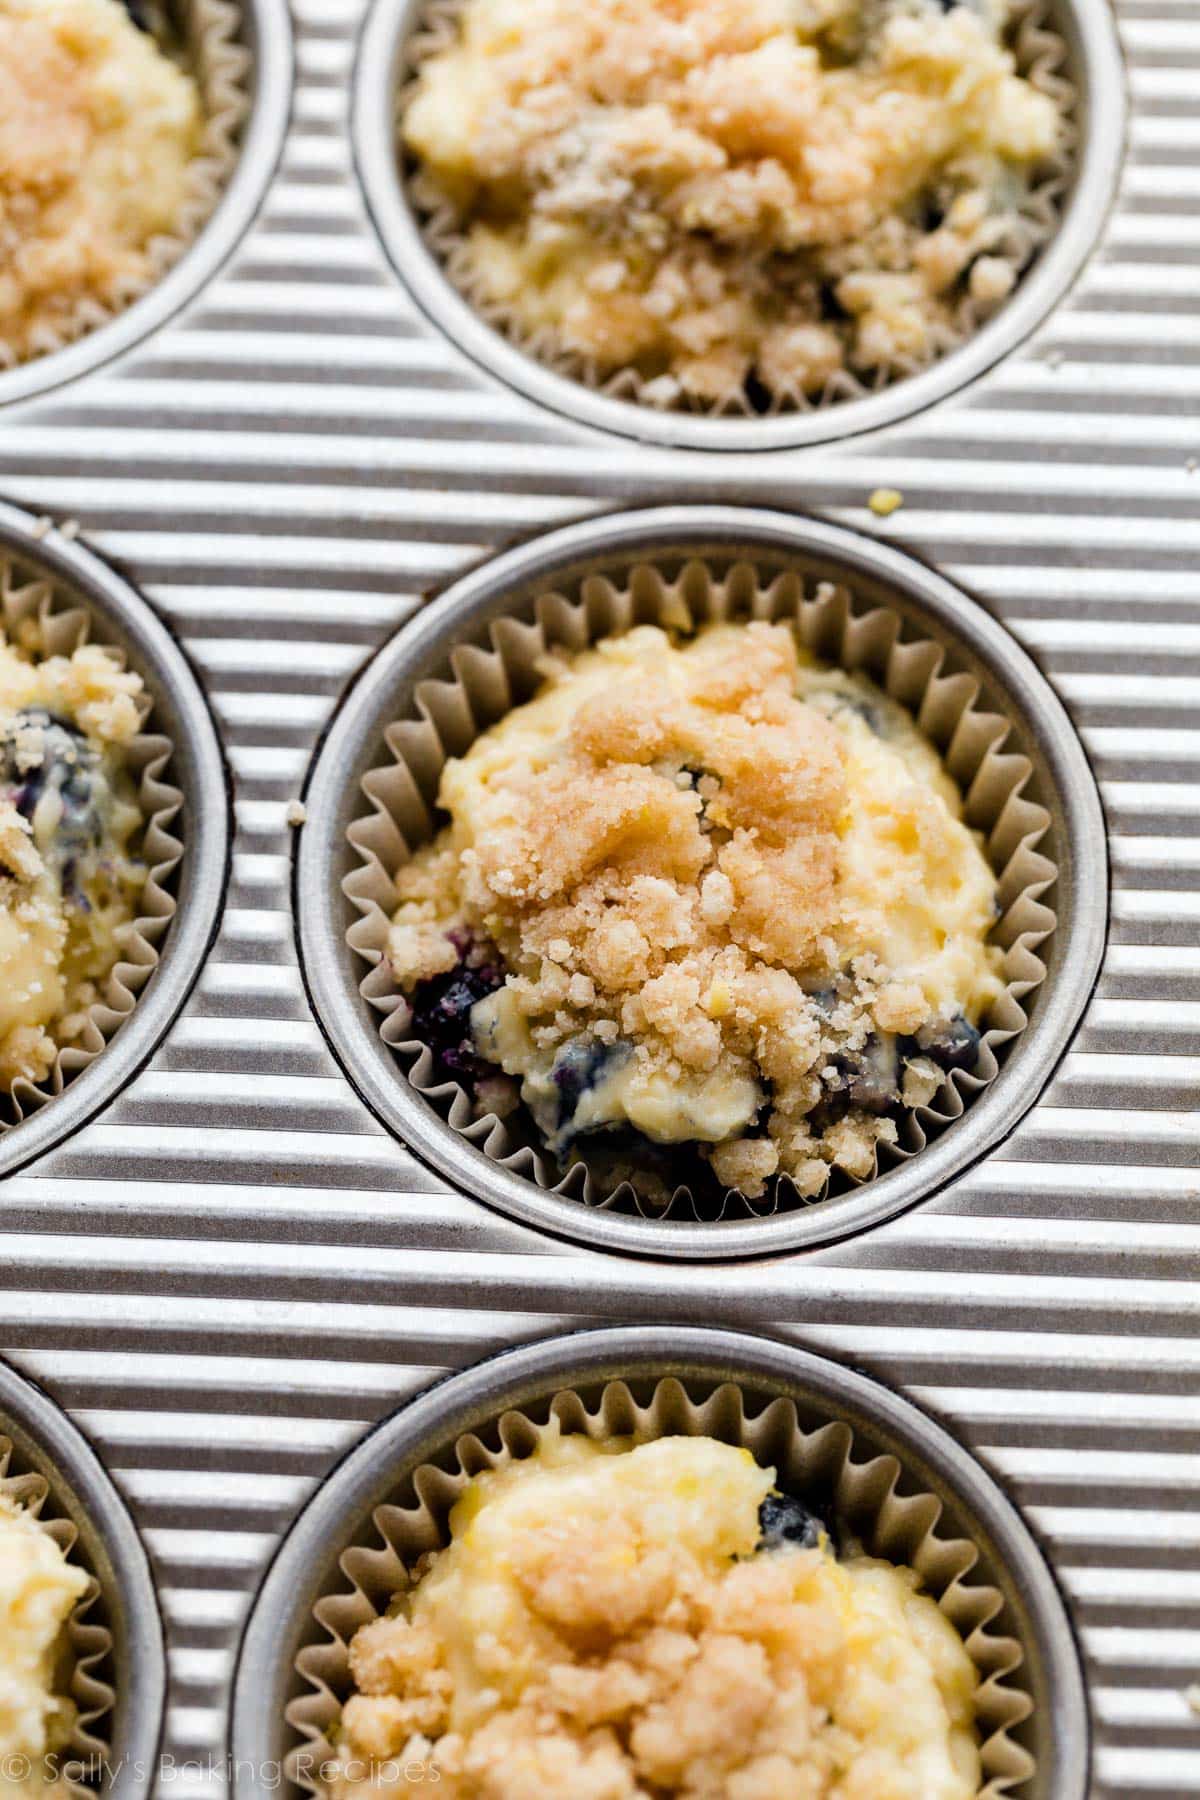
{"points": [[732, 199], [600, 1628], [709, 890], [68, 880], [97, 128]]}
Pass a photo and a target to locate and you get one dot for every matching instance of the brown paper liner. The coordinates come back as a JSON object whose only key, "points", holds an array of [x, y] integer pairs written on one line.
{"points": [[487, 683], [868, 1496], [220, 64], [47, 621], [1041, 56], [88, 1643]]}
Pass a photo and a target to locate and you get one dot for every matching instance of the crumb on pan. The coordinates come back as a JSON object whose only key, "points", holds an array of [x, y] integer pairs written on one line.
{"points": [[885, 501]]}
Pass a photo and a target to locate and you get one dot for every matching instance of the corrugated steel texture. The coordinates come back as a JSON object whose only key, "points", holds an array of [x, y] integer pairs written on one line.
{"points": [[234, 1269]]}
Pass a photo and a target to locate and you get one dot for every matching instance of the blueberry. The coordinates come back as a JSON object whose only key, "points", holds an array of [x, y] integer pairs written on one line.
{"points": [[848, 700], [783, 1520], [759, 398], [950, 1043], [441, 1014], [823, 998], [578, 1067], [64, 759], [832, 310], [871, 715], [870, 1077], [67, 764]]}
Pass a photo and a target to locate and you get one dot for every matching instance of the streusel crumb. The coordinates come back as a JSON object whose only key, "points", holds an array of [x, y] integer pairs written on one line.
{"points": [[734, 200], [709, 891], [611, 1623], [97, 128]]}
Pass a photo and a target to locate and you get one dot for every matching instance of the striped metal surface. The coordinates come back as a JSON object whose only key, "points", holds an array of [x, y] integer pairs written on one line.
{"points": [[234, 1269]]}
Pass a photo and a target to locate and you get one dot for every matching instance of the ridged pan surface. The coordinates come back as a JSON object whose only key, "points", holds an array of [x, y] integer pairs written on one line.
{"points": [[233, 1269]]}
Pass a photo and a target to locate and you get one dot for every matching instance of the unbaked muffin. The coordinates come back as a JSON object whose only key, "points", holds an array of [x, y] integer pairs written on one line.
{"points": [[97, 131], [608, 1622], [39, 1589], [701, 898], [740, 201], [68, 876]]}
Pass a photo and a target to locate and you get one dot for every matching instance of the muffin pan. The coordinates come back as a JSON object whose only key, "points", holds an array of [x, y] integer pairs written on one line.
{"points": [[385, 66], [349, 1543], [195, 880], [216, 1255], [338, 879]]}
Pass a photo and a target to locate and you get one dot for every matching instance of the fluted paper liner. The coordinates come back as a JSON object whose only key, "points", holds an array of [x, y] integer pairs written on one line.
{"points": [[87, 1641], [1041, 57], [867, 1496], [487, 683], [220, 65], [41, 617]]}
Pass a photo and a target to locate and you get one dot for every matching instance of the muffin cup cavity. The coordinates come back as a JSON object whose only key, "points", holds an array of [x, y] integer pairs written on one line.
{"points": [[1041, 56], [836, 626], [352, 840], [57, 593], [861, 1492], [88, 1646], [208, 46], [113, 1663], [890, 1479], [41, 618], [1067, 48]]}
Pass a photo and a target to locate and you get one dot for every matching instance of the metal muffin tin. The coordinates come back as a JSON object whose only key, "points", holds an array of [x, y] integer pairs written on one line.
{"points": [[377, 1471], [266, 33], [666, 537], [233, 1269], [382, 67], [120, 616], [46, 1443]]}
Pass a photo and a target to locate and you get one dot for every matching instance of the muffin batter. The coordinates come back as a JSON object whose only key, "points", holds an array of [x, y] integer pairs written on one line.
{"points": [[610, 1622], [67, 879], [737, 199], [97, 129], [38, 1591], [708, 892]]}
